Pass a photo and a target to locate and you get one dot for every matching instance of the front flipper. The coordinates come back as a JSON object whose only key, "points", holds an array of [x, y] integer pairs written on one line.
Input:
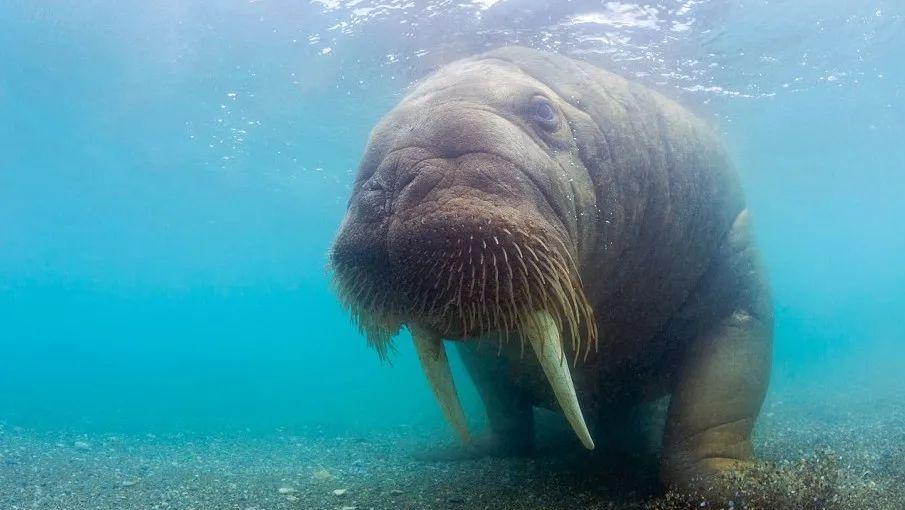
{"points": [[510, 411], [723, 374]]}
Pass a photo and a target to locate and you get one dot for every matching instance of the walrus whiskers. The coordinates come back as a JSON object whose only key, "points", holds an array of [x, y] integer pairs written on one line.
{"points": [[482, 301], [524, 275], [427, 281], [520, 272]]}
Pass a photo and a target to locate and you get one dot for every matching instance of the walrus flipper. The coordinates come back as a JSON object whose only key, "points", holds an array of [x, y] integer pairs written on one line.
{"points": [[509, 410], [722, 377]]}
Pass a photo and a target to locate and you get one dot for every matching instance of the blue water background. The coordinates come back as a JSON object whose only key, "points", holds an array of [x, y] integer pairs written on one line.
{"points": [[172, 175]]}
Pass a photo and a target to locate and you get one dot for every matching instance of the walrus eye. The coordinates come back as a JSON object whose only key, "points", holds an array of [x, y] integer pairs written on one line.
{"points": [[543, 112]]}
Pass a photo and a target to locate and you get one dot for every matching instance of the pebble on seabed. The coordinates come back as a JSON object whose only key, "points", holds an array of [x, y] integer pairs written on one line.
{"points": [[321, 475]]}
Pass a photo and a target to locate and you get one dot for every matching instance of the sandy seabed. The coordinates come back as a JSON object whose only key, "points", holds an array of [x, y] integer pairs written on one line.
{"points": [[844, 452]]}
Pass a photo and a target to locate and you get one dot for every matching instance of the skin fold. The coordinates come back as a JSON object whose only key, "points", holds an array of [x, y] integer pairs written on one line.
{"points": [[620, 213]]}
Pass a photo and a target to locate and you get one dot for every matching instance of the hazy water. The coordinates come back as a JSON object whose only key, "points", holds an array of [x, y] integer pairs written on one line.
{"points": [[172, 174]]}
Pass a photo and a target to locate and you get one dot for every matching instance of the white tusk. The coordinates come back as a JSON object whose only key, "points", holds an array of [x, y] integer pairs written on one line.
{"points": [[542, 333], [436, 367]]}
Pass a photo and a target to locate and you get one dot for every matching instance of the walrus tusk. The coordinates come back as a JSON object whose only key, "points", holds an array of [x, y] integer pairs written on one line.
{"points": [[542, 333], [435, 364]]}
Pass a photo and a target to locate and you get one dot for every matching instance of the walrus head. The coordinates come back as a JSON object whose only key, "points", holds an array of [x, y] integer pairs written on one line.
{"points": [[467, 219]]}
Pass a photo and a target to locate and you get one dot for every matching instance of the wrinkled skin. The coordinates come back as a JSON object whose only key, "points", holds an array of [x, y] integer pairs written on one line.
{"points": [[643, 197]]}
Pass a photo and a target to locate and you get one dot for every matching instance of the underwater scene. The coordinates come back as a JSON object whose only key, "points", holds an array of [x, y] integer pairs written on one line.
{"points": [[473, 254]]}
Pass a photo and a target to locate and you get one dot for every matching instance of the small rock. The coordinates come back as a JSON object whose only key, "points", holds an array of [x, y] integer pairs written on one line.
{"points": [[321, 475], [81, 445], [286, 490], [340, 492]]}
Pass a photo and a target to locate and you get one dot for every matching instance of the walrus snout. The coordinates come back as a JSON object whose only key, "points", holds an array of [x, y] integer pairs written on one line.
{"points": [[462, 261], [475, 180], [413, 186]]}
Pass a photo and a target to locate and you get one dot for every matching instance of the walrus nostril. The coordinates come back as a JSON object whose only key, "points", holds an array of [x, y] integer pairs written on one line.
{"points": [[374, 199], [374, 184]]}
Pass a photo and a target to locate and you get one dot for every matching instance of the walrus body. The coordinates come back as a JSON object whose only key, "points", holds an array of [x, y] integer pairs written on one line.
{"points": [[522, 202]]}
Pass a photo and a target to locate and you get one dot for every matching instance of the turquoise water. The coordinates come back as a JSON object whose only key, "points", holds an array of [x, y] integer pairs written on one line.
{"points": [[172, 175]]}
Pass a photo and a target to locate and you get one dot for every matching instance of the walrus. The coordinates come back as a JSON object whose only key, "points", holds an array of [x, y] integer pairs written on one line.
{"points": [[581, 238]]}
